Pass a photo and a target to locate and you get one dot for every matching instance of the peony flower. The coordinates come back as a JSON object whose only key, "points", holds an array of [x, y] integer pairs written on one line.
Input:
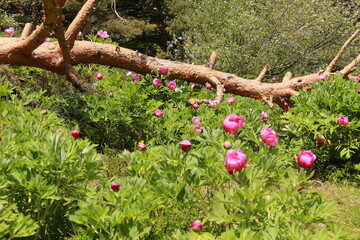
{"points": [[99, 76], [231, 100], [44, 112], [264, 115], [332, 95], [195, 105], [164, 70], [172, 85], [212, 103], [235, 161], [227, 145], [268, 136], [197, 128], [156, 82], [75, 134], [308, 88], [185, 145], [306, 159], [358, 79], [129, 74], [141, 146], [9, 31], [114, 186], [79, 34], [158, 113], [136, 78], [322, 76], [358, 91], [195, 120], [196, 226], [273, 79], [208, 85], [233, 123], [342, 120], [111, 94], [103, 34], [47, 40]]}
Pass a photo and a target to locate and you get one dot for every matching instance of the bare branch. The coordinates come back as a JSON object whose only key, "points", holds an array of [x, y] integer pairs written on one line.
{"points": [[346, 71], [79, 21], [212, 60], [113, 7], [219, 92], [263, 72], [341, 52], [287, 77], [27, 30]]}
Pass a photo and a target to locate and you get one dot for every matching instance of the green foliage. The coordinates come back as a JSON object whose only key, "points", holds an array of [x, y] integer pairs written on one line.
{"points": [[312, 124], [292, 35]]}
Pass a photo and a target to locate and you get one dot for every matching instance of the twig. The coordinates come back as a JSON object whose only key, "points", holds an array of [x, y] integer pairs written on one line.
{"points": [[113, 6], [341, 52], [212, 60], [27, 30], [287, 77], [350, 68], [219, 92], [263, 72]]}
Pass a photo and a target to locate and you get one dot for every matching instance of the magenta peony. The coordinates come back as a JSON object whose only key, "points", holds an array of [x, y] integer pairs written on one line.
{"points": [[306, 159], [99, 76], [342, 120], [195, 120], [156, 82], [235, 161], [231, 100], [195, 105], [185, 145], [233, 123], [197, 128], [158, 113], [75, 134], [141, 146], [196, 226], [114, 186], [164, 70], [268, 136], [208, 85], [172, 85]]}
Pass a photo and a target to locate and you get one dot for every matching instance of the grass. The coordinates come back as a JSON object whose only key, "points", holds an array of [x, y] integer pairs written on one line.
{"points": [[348, 200]]}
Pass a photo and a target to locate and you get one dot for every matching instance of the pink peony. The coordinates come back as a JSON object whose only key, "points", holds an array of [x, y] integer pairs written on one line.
{"points": [[233, 123], [156, 82], [195, 105], [208, 85], [103, 34], [75, 134], [114, 186], [342, 120], [358, 79], [141, 146], [306, 159], [172, 85], [136, 78], [332, 95], [197, 128], [158, 113], [273, 79], [79, 34], [212, 103], [47, 40], [264, 115], [164, 70], [322, 76], [231, 100], [268, 136], [358, 91], [111, 94], [185, 145], [195, 120], [99, 76], [196, 226], [9, 31], [235, 160], [308, 88]]}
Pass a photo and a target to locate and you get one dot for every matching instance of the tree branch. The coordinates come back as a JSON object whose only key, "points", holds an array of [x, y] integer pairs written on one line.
{"points": [[27, 30], [212, 60], [346, 71], [341, 52], [263, 72], [219, 92], [287, 77], [78, 23]]}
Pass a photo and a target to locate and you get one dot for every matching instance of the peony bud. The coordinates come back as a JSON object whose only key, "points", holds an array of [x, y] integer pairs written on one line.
{"points": [[158, 113], [308, 88], [358, 91], [114, 186], [185, 145], [156, 82], [231, 100], [268, 136], [195, 105], [235, 161], [332, 95], [342, 120], [141, 146], [47, 40], [197, 128], [172, 85], [164, 70], [233, 123], [208, 85], [196, 226], [99, 76], [195, 120], [75, 134], [227, 145], [306, 159], [264, 115], [136, 78], [273, 79], [44, 112], [111, 94], [322, 76]]}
